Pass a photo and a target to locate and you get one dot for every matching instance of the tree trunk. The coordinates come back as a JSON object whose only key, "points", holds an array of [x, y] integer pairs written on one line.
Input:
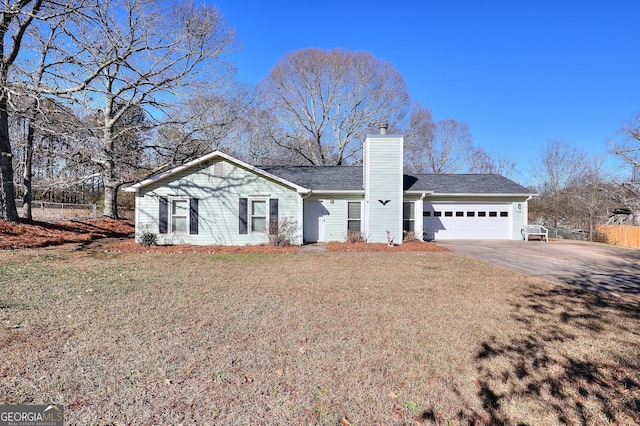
{"points": [[8, 209], [28, 173], [111, 186]]}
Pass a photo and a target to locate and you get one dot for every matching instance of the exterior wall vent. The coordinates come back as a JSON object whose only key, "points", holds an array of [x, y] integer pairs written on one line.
{"points": [[218, 169]]}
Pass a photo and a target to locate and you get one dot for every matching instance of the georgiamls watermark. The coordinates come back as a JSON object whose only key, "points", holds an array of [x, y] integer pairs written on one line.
{"points": [[31, 415]]}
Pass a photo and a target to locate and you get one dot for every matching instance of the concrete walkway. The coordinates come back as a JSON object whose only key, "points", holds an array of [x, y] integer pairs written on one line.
{"points": [[313, 248]]}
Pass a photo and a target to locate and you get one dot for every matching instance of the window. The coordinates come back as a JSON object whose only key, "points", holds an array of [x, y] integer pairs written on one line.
{"points": [[178, 215], [504, 214], [426, 214], [482, 214], [448, 214], [471, 214], [354, 216], [179, 212], [408, 216], [258, 215], [437, 214], [493, 214], [459, 214]]}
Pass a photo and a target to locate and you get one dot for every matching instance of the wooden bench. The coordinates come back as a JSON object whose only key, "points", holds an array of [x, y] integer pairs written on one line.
{"points": [[537, 230]]}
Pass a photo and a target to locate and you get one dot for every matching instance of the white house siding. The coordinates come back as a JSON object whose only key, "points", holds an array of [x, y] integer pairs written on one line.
{"points": [[334, 216], [218, 208], [383, 182], [520, 218]]}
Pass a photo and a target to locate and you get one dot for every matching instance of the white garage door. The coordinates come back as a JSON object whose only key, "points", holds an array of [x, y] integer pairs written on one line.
{"points": [[444, 221]]}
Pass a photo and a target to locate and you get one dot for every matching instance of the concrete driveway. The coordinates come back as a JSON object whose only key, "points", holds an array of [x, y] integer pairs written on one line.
{"points": [[596, 267]]}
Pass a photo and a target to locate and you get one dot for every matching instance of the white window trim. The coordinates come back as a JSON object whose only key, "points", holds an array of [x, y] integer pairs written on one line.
{"points": [[346, 222], [413, 204], [170, 216], [250, 215]]}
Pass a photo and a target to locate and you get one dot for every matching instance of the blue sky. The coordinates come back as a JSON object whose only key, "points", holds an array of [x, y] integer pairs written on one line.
{"points": [[520, 73]]}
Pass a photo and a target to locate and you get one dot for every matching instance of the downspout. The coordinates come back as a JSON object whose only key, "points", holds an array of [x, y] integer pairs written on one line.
{"points": [[526, 217]]}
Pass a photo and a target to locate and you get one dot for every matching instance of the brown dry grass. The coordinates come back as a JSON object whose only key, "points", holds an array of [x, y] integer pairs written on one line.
{"points": [[374, 338]]}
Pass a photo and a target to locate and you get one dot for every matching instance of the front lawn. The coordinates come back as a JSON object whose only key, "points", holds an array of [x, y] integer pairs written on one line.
{"points": [[340, 338]]}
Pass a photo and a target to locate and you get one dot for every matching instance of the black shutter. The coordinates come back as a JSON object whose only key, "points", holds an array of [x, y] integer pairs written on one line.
{"points": [[242, 215], [163, 216], [193, 216], [273, 216]]}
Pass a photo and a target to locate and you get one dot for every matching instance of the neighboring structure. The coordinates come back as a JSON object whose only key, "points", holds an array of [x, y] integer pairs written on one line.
{"points": [[218, 199]]}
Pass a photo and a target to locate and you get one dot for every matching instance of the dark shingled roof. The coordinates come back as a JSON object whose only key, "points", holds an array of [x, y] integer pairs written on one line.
{"points": [[349, 178], [321, 178], [463, 184]]}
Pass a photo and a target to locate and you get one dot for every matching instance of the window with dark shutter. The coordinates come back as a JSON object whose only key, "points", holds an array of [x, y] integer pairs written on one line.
{"points": [[163, 216], [242, 215], [193, 216], [354, 216], [273, 216]]}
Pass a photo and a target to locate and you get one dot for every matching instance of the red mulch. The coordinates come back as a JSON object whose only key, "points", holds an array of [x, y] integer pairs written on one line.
{"points": [[131, 246], [42, 234], [113, 235]]}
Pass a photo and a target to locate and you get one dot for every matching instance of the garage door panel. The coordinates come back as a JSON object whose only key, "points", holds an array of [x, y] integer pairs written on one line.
{"points": [[467, 221]]}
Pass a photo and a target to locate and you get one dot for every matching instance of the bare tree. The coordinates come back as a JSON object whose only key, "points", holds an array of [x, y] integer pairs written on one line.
{"points": [[442, 147], [326, 101], [15, 18], [627, 146], [591, 195], [575, 189], [206, 122], [419, 138], [482, 162], [559, 165], [42, 42], [454, 143], [150, 56]]}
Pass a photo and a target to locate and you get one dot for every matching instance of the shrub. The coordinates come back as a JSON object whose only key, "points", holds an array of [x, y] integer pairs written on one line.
{"points": [[600, 236], [354, 237], [409, 237], [284, 233], [147, 236]]}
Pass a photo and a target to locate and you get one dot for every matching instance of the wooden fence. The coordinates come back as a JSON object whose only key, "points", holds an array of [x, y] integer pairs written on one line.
{"points": [[620, 235]]}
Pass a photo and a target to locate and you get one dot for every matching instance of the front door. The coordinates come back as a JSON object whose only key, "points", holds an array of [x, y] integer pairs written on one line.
{"points": [[314, 218]]}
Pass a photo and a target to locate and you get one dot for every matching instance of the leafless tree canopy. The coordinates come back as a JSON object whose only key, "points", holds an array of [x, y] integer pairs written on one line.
{"points": [[121, 66], [627, 145], [439, 147], [150, 56], [324, 102], [560, 165]]}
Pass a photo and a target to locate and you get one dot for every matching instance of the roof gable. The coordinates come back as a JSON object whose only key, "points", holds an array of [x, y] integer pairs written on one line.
{"points": [[216, 154]]}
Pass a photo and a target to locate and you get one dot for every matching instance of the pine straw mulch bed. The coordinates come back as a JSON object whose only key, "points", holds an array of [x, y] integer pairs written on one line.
{"points": [[334, 246], [27, 234], [116, 236]]}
